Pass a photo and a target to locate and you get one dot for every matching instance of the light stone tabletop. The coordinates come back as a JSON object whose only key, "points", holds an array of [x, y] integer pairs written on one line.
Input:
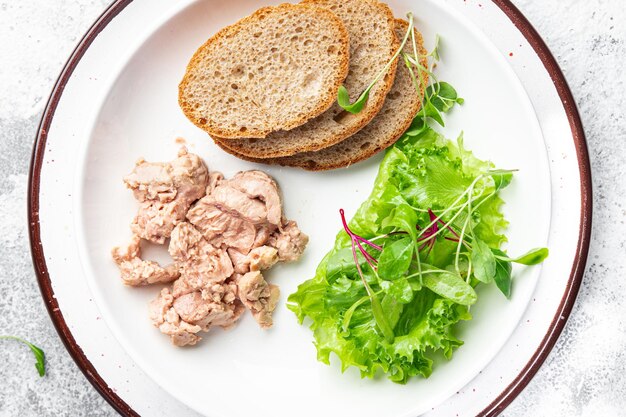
{"points": [[585, 375]]}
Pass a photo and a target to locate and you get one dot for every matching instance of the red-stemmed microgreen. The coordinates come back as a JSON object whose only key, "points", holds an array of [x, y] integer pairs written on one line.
{"points": [[377, 309], [356, 239], [429, 233], [468, 190], [354, 235], [427, 242], [427, 238]]}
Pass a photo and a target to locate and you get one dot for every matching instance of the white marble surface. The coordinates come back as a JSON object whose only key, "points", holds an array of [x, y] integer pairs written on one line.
{"points": [[585, 373]]}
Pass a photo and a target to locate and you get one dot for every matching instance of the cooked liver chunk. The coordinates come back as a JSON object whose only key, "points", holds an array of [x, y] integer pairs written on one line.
{"points": [[165, 192], [135, 271], [258, 259], [182, 317], [258, 185], [164, 316], [221, 227], [289, 241], [200, 263], [258, 296], [222, 233]]}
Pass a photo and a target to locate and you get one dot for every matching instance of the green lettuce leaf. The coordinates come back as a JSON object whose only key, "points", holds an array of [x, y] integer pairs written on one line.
{"points": [[419, 172]]}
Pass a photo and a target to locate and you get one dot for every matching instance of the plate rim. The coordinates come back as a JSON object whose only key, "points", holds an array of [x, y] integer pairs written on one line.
{"points": [[505, 397]]}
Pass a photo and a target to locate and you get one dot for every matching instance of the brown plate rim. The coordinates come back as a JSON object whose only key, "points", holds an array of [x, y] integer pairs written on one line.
{"points": [[505, 397]]}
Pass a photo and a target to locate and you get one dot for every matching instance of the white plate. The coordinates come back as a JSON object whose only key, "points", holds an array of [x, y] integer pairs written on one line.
{"points": [[119, 102]]}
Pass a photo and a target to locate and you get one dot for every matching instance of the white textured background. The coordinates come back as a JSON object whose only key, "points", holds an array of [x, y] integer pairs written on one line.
{"points": [[585, 374]]}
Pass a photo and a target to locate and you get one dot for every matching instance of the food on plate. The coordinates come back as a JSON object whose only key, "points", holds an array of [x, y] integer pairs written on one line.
{"points": [[403, 272], [258, 296], [272, 70], [165, 191], [403, 102], [135, 271], [373, 44], [222, 234], [372, 108]]}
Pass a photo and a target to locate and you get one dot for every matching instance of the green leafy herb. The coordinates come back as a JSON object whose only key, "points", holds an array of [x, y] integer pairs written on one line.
{"points": [[401, 217], [395, 259], [40, 364], [377, 310], [343, 99], [483, 261], [502, 277], [501, 180], [435, 52], [451, 286], [343, 96], [439, 97], [532, 257], [402, 273], [400, 289], [443, 96]]}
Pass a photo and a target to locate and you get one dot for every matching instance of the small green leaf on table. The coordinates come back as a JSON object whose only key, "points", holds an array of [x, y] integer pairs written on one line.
{"points": [[40, 356]]}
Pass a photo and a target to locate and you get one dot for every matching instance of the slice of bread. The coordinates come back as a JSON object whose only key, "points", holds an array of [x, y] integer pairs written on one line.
{"points": [[272, 70], [402, 104], [372, 45]]}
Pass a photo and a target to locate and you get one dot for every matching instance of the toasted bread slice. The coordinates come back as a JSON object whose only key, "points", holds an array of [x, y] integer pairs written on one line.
{"points": [[372, 45], [272, 70], [402, 104]]}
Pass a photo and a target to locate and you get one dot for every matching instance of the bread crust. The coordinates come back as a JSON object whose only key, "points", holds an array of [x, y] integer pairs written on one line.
{"points": [[287, 143], [325, 101], [353, 149]]}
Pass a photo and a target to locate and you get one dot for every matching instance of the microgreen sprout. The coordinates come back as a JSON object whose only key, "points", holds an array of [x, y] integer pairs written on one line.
{"points": [[343, 96], [358, 239], [377, 309], [432, 231], [39, 354], [439, 97]]}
